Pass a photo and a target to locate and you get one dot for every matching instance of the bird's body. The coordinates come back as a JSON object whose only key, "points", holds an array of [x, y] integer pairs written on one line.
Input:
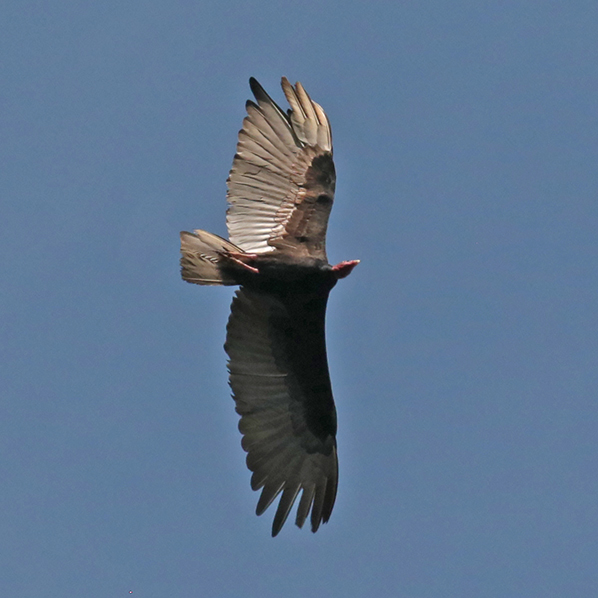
{"points": [[281, 190]]}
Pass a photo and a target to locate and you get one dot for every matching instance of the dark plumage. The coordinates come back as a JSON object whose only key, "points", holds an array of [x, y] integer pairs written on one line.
{"points": [[280, 193]]}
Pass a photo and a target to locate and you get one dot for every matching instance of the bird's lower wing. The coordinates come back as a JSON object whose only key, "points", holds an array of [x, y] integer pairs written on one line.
{"points": [[280, 383]]}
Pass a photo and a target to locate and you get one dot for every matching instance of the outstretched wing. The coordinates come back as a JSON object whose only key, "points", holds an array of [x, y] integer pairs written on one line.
{"points": [[281, 185], [281, 386]]}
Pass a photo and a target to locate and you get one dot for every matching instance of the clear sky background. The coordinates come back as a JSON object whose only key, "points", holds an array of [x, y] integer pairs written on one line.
{"points": [[463, 349]]}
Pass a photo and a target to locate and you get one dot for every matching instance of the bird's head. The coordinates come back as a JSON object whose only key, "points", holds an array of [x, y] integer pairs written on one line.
{"points": [[343, 269]]}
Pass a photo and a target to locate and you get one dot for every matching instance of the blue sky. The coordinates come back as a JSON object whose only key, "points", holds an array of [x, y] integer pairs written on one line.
{"points": [[463, 349]]}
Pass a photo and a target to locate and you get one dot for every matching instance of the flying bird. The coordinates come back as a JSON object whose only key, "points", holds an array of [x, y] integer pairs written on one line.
{"points": [[280, 193]]}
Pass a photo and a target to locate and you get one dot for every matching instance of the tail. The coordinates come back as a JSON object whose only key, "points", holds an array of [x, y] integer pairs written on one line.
{"points": [[204, 258]]}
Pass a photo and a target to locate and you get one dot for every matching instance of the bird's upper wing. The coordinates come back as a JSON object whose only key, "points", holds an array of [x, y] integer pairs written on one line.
{"points": [[281, 185], [281, 386]]}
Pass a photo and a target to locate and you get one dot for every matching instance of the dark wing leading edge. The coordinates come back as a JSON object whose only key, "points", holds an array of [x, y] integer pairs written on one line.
{"points": [[281, 185], [280, 382]]}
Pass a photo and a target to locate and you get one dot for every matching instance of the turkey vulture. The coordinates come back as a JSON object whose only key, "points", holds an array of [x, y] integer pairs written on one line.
{"points": [[280, 193]]}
